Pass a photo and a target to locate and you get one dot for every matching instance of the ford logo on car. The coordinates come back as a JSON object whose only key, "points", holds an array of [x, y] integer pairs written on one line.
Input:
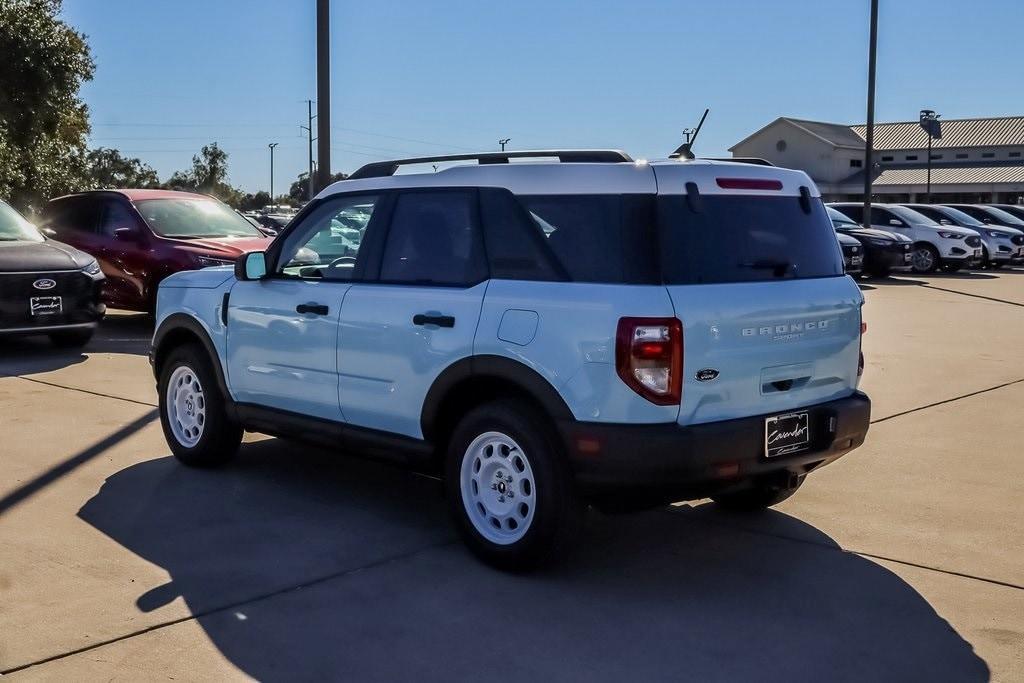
{"points": [[706, 375], [44, 283]]}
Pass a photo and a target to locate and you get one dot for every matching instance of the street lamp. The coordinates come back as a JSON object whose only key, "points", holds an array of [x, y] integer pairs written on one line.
{"points": [[272, 145], [929, 121]]}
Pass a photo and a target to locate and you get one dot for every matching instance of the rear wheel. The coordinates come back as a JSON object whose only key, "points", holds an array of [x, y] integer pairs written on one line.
{"points": [[509, 487], [71, 339], [192, 414], [925, 259], [763, 495]]}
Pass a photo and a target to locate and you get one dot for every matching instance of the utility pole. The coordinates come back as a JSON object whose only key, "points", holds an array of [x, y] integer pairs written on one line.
{"points": [[309, 134], [930, 123], [869, 141], [323, 92], [503, 142], [272, 145]]}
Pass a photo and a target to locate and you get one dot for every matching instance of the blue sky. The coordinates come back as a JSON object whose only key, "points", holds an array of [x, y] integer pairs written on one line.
{"points": [[451, 75]]}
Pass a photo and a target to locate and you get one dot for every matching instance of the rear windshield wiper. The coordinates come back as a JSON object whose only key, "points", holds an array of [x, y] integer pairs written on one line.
{"points": [[778, 268]]}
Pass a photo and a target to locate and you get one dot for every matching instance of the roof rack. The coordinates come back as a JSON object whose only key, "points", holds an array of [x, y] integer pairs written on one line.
{"points": [[757, 161], [380, 169]]}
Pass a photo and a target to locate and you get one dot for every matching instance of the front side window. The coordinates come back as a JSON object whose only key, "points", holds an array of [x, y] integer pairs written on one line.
{"points": [[14, 228], [115, 217], [326, 244], [434, 240], [182, 218]]}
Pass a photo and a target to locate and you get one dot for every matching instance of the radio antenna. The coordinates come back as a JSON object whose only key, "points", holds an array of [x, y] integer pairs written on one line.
{"points": [[685, 150]]}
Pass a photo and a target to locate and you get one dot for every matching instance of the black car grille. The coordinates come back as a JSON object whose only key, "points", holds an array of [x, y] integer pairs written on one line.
{"points": [[973, 241], [1017, 239], [851, 250], [78, 293]]}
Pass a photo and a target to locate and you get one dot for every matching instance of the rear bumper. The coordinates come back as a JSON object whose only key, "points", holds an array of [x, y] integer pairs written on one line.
{"points": [[687, 462]]}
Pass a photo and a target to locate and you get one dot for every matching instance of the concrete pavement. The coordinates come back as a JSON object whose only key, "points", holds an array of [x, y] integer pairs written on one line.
{"points": [[903, 560]]}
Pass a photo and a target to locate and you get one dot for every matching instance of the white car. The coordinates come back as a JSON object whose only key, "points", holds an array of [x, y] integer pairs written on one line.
{"points": [[1000, 244], [935, 245]]}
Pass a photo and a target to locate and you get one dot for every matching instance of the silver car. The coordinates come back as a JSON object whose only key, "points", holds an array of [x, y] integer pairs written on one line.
{"points": [[1000, 245]]}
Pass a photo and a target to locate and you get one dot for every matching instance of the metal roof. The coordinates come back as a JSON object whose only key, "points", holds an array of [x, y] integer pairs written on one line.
{"points": [[958, 175], [838, 134], [989, 132]]}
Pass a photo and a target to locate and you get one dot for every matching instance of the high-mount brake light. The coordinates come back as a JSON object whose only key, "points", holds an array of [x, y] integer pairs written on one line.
{"points": [[749, 183], [649, 358]]}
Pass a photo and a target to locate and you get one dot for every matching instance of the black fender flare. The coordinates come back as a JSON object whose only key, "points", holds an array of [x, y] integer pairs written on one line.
{"points": [[525, 378], [177, 322]]}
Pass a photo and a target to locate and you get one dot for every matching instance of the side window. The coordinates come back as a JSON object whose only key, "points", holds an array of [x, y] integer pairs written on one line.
{"points": [[856, 213], [516, 249], [882, 217], [71, 216], [114, 216], [434, 239], [326, 244]]}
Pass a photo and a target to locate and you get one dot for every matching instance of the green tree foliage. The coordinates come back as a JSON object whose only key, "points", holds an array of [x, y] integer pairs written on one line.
{"points": [[208, 175], [298, 193], [107, 168], [43, 122], [254, 202]]}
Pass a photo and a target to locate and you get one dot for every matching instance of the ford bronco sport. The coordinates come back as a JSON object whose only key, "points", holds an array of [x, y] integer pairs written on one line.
{"points": [[581, 328]]}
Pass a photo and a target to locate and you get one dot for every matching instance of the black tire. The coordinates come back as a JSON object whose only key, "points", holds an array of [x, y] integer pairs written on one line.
{"points": [[220, 437], [71, 339], [760, 497], [557, 511], [920, 270]]}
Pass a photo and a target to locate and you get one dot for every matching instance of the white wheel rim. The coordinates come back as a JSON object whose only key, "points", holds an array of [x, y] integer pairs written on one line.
{"points": [[499, 492], [186, 406], [923, 259]]}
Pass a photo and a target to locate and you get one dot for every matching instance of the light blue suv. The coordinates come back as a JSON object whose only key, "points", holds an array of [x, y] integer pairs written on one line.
{"points": [[579, 328]]}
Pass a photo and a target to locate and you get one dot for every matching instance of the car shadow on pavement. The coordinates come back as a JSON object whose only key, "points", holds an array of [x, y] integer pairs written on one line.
{"points": [[302, 564], [123, 334]]}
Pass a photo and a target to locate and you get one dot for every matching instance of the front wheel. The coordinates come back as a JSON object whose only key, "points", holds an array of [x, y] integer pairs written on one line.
{"points": [[925, 259], [509, 487], [761, 496], [192, 414]]}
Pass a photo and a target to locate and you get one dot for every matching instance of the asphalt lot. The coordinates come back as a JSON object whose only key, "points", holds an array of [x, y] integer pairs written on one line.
{"points": [[904, 560]]}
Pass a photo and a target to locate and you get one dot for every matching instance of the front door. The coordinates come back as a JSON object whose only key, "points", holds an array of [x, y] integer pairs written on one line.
{"points": [[282, 332], [419, 316]]}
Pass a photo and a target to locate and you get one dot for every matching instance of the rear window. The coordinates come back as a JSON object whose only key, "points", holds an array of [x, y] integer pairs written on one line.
{"points": [[730, 238], [599, 238]]}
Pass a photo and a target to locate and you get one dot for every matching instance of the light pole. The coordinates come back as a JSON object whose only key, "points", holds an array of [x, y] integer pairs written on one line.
{"points": [[323, 93], [869, 141], [272, 145], [929, 121], [503, 142]]}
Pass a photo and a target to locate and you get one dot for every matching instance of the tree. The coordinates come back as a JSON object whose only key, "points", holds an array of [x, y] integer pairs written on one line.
{"points": [[106, 168], [43, 122], [254, 202], [208, 175], [298, 193]]}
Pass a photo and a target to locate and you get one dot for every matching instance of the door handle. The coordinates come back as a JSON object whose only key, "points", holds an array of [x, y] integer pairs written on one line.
{"points": [[439, 320], [316, 309]]}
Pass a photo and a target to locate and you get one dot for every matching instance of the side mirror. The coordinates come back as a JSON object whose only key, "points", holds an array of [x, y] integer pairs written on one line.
{"points": [[124, 234], [945, 221], [251, 266], [893, 221], [49, 232]]}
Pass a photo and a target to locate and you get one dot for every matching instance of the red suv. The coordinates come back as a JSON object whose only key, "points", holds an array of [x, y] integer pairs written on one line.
{"points": [[140, 237]]}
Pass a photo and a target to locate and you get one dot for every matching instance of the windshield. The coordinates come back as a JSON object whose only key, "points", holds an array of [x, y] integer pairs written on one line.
{"points": [[186, 218], [15, 228], [1004, 217], [911, 216], [839, 218]]}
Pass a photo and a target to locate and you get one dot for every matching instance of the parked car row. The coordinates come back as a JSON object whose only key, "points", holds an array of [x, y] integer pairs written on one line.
{"points": [[926, 237]]}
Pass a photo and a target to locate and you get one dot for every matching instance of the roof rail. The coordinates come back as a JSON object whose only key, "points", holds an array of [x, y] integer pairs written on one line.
{"points": [[380, 169], [757, 161]]}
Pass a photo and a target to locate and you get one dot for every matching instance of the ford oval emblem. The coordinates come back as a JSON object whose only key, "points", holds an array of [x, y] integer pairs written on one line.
{"points": [[44, 283], [706, 375]]}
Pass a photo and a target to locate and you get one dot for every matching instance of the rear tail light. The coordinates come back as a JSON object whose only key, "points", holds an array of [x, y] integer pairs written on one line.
{"points": [[649, 358], [860, 347]]}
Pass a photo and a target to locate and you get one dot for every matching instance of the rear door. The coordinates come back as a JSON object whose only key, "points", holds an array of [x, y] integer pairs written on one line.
{"points": [[770, 323], [123, 251], [419, 316]]}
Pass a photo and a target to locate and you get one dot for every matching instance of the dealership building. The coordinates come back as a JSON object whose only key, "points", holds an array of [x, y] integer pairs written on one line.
{"points": [[974, 160]]}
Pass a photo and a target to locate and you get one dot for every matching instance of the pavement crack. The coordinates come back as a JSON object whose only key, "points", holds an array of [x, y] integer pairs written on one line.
{"points": [[948, 400], [233, 605], [86, 391]]}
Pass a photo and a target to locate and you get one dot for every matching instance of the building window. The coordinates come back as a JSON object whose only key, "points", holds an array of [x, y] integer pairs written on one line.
{"points": [[1014, 155], [988, 155], [936, 156], [911, 157], [887, 158], [961, 156], [856, 163], [780, 145]]}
